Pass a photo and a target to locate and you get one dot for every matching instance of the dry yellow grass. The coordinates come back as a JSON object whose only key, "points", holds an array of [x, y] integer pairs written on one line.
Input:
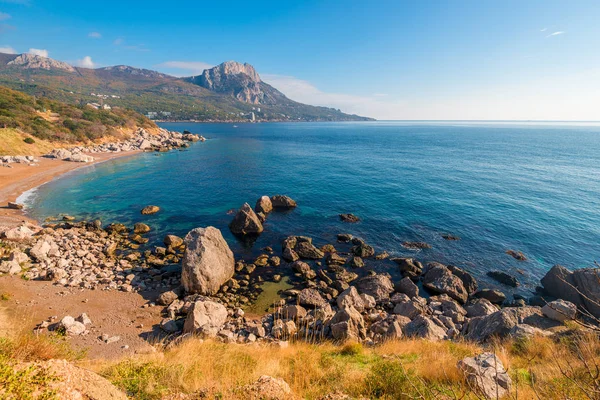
{"points": [[12, 144]]}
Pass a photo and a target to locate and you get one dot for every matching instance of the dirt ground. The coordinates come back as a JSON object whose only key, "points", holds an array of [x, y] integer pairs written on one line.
{"points": [[113, 313]]}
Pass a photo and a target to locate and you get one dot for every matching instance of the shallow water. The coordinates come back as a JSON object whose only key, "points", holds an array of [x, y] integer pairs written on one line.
{"points": [[532, 188]]}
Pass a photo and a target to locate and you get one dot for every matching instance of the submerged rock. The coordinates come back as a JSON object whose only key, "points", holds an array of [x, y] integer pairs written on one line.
{"points": [[517, 255], [349, 218], [283, 202], [207, 262]]}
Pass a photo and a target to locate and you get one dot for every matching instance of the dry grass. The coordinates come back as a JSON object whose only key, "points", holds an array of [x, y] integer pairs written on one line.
{"points": [[12, 144]]}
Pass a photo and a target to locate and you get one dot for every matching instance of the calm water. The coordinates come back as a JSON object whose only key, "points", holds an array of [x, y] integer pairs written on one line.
{"points": [[533, 188]]}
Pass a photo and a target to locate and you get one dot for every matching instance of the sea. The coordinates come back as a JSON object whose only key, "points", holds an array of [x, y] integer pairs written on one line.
{"points": [[529, 187]]}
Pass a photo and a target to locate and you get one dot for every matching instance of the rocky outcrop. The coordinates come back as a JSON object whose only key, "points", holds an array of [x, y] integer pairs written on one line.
{"points": [[378, 286], [148, 210], [32, 61], [264, 205], [207, 262], [283, 202], [580, 287], [348, 324], [560, 310], [486, 375], [246, 222]]}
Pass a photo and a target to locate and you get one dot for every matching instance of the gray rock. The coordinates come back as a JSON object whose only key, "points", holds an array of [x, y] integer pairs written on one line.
{"points": [[560, 310], [311, 298], [71, 327], [524, 331], [283, 202], [469, 282], [206, 317], [409, 266], [308, 251], [503, 278], [408, 287], [166, 298], [207, 262], [303, 269], [378, 286], [493, 295], [351, 298], [480, 308], [486, 374], [424, 327], [246, 222], [439, 279], [348, 324]]}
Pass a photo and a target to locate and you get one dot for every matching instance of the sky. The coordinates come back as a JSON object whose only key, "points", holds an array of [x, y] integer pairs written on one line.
{"points": [[404, 60]]}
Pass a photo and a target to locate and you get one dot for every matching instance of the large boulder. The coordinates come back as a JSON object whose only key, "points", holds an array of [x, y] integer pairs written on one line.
{"points": [[246, 222], [21, 232], [424, 327], [378, 286], [263, 205], [207, 262], [500, 323], [559, 283], [469, 282], [283, 202], [307, 250], [311, 298], [439, 279], [486, 374], [407, 286], [348, 324], [480, 308], [581, 287], [351, 298], [205, 317]]}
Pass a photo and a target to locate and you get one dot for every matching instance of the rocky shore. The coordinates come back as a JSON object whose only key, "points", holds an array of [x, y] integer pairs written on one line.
{"points": [[204, 289]]}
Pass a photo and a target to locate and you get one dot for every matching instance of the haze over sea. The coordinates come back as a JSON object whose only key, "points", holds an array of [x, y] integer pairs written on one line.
{"points": [[534, 188]]}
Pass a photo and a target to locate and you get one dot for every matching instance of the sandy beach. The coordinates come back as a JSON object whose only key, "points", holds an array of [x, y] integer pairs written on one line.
{"points": [[21, 177]]}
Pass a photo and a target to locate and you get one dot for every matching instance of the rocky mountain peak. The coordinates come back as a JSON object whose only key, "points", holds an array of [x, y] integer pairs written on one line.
{"points": [[235, 68], [140, 72], [31, 61]]}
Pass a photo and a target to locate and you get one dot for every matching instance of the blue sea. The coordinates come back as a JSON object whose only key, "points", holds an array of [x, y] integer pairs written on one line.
{"points": [[533, 188]]}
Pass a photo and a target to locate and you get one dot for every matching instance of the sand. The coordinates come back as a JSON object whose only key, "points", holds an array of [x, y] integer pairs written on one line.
{"points": [[20, 178]]}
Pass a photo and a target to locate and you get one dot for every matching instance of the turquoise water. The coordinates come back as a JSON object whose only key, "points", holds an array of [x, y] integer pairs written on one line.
{"points": [[532, 188]]}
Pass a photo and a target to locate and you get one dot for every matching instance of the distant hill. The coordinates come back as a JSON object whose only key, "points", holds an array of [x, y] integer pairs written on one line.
{"points": [[228, 92], [54, 121]]}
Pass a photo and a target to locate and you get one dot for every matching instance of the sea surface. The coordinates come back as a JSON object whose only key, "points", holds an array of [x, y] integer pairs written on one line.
{"points": [[533, 188]]}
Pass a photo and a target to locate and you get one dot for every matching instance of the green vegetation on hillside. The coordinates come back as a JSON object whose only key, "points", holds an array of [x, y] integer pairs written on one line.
{"points": [[56, 121]]}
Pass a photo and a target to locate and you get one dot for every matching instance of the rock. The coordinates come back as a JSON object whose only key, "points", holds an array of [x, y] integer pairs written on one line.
{"points": [[282, 202], [493, 295], [207, 262], [15, 206], [40, 250], [22, 232], [524, 331], [503, 278], [290, 255], [486, 374], [469, 282], [10, 267], [84, 319], [424, 327], [416, 245], [349, 218], [173, 241], [517, 255], [283, 329], [344, 237], [304, 269], [409, 266], [378, 286], [141, 228], [311, 298], [409, 309], [480, 308], [263, 205], [450, 237], [80, 157], [19, 257], [363, 250], [356, 262], [60, 154], [308, 251], [169, 325], [587, 282], [166, 298], [71, 327], [246, 222], [74, 383], [293, 312], [335, 259], [499, 323], [348, 324], [407, 286], [150, 210], [559, 283], [560, 310], [439, 279], [266, 388], [206, 317], [351, 298]]}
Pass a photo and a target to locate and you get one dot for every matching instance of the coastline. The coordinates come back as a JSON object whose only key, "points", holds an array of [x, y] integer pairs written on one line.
{"points": [[21, 178]]}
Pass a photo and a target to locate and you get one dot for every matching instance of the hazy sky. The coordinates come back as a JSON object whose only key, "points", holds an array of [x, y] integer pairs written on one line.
{"points": [[480, 59]]}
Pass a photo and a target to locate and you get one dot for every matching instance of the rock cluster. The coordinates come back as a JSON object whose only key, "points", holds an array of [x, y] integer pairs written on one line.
{"points": [[250, 222], [5, 161], [142, 140]]}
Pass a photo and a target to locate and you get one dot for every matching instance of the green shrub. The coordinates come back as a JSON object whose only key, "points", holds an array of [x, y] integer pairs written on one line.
{"points": [[29, 140]]}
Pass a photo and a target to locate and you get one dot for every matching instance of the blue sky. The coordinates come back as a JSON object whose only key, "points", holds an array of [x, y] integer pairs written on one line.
{"points": [[525, 60]]}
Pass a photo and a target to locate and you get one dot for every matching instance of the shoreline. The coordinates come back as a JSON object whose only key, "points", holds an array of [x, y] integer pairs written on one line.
{"points": [[21, 178]]}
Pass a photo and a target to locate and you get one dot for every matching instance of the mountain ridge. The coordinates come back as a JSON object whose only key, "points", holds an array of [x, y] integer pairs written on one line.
{"points": [[230, 91]]}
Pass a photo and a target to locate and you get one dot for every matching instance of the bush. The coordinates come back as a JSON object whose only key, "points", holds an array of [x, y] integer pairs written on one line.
{"points": [[29, 140]]}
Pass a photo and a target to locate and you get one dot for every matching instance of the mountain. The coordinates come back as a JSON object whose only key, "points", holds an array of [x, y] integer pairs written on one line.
{"points": [[228, 92]]}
